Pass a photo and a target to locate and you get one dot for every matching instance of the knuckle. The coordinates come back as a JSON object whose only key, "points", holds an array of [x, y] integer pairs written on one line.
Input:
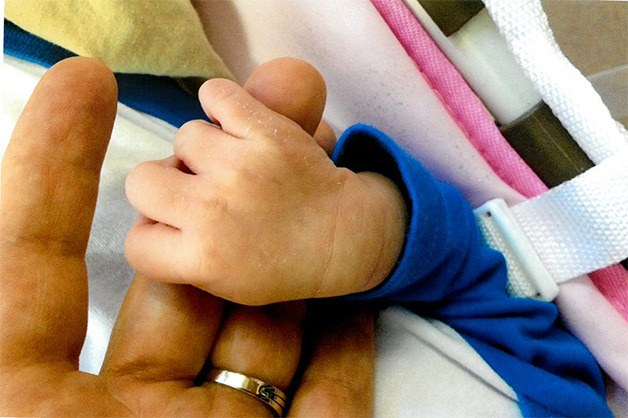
{"points": [[206, 264], [272, 127], [214, 207], [187, 133], [241, 189], [136, 177], [243, 178], [191, 128], [139, 178]]}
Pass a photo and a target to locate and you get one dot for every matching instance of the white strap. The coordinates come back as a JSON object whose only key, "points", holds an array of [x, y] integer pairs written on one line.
{"points": [[573, 229], [524, 26], [581, 225]]}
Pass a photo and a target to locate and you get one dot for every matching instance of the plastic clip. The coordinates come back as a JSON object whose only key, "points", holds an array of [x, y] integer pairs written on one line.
{"points": [[527, 275]]}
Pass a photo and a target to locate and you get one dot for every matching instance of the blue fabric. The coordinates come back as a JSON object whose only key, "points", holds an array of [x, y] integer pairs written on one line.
{"points": [[447, 272], [157, 96]]}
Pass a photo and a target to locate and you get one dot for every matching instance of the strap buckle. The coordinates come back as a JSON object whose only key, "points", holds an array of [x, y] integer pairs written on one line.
{"points": [[527, 275]]}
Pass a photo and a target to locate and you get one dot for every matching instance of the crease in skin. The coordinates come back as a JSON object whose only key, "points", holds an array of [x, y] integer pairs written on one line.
{"points": [[324, 277]]}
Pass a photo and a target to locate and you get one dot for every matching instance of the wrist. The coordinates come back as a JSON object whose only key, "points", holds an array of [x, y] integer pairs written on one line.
{"points": [[386, 222], [370, 233]]}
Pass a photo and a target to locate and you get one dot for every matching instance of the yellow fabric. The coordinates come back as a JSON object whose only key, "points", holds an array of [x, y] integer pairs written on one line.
{"points": [[161, 37]]}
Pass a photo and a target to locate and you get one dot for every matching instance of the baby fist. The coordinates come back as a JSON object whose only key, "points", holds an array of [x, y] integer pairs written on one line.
{"points": [[255, 212]]}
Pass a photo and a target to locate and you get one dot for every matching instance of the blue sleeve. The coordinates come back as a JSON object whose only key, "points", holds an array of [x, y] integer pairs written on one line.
{"points": [[446, 271]]}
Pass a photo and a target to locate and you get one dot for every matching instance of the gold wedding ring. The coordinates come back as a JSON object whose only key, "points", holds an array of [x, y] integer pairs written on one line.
{"points": [[268, 394]]}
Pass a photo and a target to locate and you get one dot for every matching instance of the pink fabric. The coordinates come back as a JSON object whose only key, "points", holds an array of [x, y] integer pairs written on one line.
{"points": [[478, 125], [613, 284], [461, 102]]}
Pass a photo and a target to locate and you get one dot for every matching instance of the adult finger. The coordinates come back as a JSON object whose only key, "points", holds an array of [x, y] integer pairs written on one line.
{"points": [[295, 89], [50, 176], [52, 164], [291, 87], [163, 332], [260, 342], [338, 379]]}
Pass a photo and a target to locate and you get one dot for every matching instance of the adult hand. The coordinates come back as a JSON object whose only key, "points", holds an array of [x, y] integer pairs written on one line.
{"points": [[165, 333]]}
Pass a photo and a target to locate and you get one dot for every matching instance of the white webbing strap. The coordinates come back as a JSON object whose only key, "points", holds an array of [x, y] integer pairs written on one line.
{"points": [[525, 28], [573, 229]]}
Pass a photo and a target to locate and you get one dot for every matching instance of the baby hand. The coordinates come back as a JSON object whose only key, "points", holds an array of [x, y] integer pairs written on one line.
{"points": [[255, 211]]}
